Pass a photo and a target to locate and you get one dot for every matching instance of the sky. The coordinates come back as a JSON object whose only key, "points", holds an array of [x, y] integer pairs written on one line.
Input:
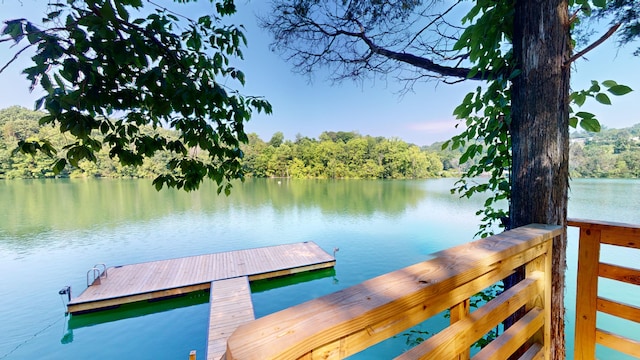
{"points": [[309, 105]]}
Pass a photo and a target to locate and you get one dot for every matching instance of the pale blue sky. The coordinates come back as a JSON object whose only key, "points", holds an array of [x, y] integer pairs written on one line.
{"points": [[311, 106]]}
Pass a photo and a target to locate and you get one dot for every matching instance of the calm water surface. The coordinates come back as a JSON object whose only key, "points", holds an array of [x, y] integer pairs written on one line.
{"points": [[52, 232]]}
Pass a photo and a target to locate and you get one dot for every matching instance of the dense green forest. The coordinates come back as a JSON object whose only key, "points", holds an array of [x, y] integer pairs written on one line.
{"points": [[334, 155], [609, 153]]}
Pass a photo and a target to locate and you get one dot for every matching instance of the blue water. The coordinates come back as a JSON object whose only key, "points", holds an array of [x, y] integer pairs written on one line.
{"points": [[52, 232]]}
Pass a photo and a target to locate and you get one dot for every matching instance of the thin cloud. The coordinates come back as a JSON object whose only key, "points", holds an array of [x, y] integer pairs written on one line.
{"points": [[441, 126]]}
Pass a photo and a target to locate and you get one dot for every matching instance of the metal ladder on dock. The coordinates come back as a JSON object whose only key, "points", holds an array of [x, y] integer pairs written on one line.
{"points": [[97, 274]]}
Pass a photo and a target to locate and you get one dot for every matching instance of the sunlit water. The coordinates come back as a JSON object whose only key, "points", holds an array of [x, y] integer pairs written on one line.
{"points": [[52, 232]]}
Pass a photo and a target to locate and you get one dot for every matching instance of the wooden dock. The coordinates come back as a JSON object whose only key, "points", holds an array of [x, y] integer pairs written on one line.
{"points": [[227, 274], [230, 307], [166, 278]]}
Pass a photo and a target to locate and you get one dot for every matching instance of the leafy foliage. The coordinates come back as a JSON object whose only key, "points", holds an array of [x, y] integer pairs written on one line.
{"points": [[487, 111], [588, 120], [95, 61], [340, 155], [606, 154], [611, 153], [335, 155], [480, 299], [414, 337]]}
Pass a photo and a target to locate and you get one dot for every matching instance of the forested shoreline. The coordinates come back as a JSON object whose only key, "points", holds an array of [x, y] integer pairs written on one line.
{"points": [[613, 153]]}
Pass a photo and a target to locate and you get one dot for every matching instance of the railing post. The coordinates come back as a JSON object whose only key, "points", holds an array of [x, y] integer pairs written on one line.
{"points": [[192, 355], [457, 313], [542, 264], [587, 294]]}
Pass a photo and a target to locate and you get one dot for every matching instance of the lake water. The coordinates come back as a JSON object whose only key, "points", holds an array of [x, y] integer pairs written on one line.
{"points": [[53, 231]]}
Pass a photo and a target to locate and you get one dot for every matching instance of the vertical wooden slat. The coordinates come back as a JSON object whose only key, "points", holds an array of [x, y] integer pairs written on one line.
{"points": [[457, 313], [587, 294], [548, 278], [543, 300]]}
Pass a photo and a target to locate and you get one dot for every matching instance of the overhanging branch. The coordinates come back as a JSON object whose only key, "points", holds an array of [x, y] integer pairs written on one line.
{"points": [[595, 44], [417, 61], [15, 57], [427, 64]]}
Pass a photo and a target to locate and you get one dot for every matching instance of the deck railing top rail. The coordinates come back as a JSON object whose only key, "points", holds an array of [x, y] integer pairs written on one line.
{"points": [[604, 225], [345, 322]]}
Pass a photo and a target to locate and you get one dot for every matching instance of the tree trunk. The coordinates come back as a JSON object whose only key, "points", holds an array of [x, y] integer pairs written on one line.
{"points": [[540, 134]]}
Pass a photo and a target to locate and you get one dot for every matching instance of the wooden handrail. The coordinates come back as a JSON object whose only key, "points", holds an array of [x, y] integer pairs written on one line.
{"points": [[348, 321], [588, 300]]}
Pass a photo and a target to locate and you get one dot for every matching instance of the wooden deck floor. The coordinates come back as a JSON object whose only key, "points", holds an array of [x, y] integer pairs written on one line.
{"points": [[158, 279], [230, 307]]}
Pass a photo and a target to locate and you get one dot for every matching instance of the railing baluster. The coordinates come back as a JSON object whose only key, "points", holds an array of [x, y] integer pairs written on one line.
{"points": [[543, 300], [588, 301], [457, 313], [587, 293]]}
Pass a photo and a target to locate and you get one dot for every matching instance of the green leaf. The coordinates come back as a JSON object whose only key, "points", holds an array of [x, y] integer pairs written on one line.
{"points": [[585, 115], [609, 83], [107, 12], [603, 99], [579, 98], [573, 122], [514, 74], [600, 3], [33, 33], [620, 90], [590, 124], [158, 182], [473, 72], [13, 28], [59, 165], [122, 12], [464, 157]]}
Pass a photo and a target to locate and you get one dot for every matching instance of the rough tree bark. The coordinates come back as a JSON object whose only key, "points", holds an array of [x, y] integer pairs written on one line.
{"points": [[540, 134]]}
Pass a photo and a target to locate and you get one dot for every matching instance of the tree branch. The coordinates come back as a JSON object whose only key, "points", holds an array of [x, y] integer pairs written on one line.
{"points": [[417, 61], [427, 64], [595, 44], [439, 17], [14, 58]]}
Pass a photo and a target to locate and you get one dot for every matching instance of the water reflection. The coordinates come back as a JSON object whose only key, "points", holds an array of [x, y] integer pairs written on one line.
{"points": [[134, 310], [32, 207], [298, 278]]}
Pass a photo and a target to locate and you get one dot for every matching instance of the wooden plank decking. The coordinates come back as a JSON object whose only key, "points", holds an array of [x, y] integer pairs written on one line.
{"points": [[158, 279], [230, 307]]}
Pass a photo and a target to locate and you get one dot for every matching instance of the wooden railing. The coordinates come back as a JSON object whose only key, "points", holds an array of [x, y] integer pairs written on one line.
{"points": [[348, 321], [588, 299]]}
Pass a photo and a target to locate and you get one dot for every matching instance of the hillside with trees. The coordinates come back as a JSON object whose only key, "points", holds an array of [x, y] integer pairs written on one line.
{"points": [[611, 153], [334, 155]]}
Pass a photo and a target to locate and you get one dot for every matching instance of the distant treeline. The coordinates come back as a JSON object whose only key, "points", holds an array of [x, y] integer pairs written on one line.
{"points": [[339, 155], [609, 153], [333, 155]]}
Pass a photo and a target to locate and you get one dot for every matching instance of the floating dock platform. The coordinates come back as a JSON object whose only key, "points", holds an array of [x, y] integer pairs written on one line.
{"points": [[226, 274], [166, 278]]}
